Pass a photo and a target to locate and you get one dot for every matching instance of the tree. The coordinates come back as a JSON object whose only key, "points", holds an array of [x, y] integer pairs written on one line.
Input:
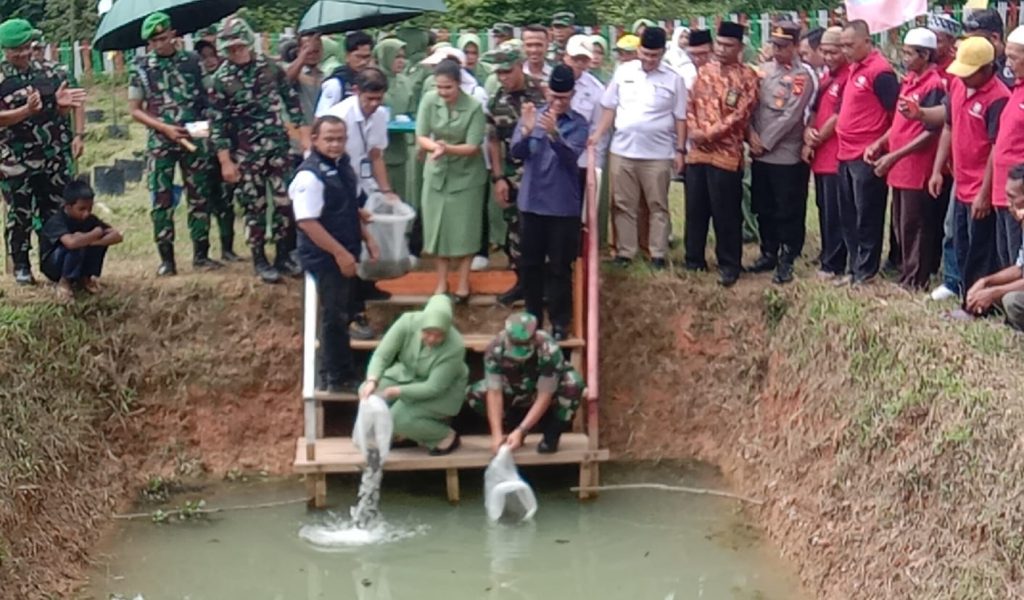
{"points": [[70, 20]]}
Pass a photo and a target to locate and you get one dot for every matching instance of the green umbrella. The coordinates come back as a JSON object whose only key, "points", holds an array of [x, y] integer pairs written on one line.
{"points": [[120, 28], [336, 16]]}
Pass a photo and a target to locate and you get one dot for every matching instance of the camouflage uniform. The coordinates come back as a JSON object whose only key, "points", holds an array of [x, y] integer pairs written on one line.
{"points": [[503, 110], [556, 51], [252, 98], [172, 91], [523, 361], [35, 154]]}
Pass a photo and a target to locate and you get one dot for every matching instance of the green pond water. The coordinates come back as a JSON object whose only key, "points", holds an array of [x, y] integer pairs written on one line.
{"points": [[625, 545]]}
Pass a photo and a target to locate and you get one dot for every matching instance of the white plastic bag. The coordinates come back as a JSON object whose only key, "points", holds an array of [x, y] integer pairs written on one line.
{"points": [[506, 496], [388, 227], [373, 427]]}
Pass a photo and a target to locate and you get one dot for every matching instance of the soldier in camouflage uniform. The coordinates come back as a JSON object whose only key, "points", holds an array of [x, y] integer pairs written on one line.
{"points": [[527, 382], [166, 91], [251, 93], [563, 26], [36, 159], [503, 110]]}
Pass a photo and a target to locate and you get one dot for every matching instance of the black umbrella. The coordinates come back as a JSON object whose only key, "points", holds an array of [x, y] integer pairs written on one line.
{"points": [[336, 16], [120, 28]]}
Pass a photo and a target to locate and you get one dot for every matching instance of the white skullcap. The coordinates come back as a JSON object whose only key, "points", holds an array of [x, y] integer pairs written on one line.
{"points": [[921, 38], [1016, 36]]}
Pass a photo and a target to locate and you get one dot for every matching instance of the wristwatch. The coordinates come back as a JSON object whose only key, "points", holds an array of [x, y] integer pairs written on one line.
{"points": [[497, 178]]}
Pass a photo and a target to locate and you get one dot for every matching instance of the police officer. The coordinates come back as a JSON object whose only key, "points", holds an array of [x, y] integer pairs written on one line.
{"points": [[35, 139], [527, 384], [563, 26], [166, 92], [503, 111], [250, 92], [779, 176]]}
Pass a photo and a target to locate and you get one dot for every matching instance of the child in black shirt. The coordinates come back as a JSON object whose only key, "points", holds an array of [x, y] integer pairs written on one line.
{"points": [[74, 242]]}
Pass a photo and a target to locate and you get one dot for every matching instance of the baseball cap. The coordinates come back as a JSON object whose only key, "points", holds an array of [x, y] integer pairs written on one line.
{"points": [[503, 57], [971, 55], [580, 45], [628, 43], [519, 331], [921, 37], [442, 53], [785, 32]]}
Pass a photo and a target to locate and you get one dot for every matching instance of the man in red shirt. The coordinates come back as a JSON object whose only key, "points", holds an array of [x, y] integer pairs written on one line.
{"points": [[820, 149], [905, 156], [947, 32], [865, 114], [973, 109], [1008, 152]]}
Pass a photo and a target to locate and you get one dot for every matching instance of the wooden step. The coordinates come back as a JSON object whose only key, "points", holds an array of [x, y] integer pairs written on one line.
{"points": [[325, 396], [477, 342], [422, 284], [419, 300], [338, 455]]}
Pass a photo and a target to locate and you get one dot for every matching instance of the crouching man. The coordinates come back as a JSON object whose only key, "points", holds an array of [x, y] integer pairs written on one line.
{"points": [[73, 243], [1006, 287], [326, 202], [528, 385]]}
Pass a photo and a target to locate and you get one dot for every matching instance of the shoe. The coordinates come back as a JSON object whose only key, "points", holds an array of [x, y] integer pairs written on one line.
{"points": [[659, 264], [480, 263], [451, 447], [696, 267], [959, 315], [825, 275], [91, 285], [728, 279], [622, 262], [513, 296], [359, 328], [552, 429], [560, 333], [763, 264], [548, 446], [167, 266], [842, 280], [862, 282], [890, 270], [227, 249], [783, 274], [284, 264], [23, 275], [460, 299], [201, 257], [262, 268], [372, 293], [942, 293]]}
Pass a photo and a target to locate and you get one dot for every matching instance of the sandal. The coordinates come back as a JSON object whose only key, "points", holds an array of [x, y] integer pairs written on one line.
{"points": [[460, 299]]}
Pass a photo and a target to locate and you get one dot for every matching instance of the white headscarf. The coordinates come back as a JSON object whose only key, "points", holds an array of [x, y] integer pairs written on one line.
{"points": [[674, 55]]}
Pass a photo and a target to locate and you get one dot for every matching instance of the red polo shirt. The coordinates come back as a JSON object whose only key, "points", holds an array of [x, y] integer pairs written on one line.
{"points": [[973, 117], [942, 65], [912, 171], [826, 160], [1009, 149], [863, 118]]}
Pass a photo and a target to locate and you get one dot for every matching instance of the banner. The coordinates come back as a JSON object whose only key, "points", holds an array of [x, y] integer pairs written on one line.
{"points": [[885, 14]]}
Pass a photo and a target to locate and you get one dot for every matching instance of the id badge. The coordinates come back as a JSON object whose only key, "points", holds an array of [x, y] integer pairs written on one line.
{"points": [[365, 171]]}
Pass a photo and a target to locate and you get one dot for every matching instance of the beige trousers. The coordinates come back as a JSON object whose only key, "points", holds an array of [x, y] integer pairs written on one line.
{"points": [[637, 183]]}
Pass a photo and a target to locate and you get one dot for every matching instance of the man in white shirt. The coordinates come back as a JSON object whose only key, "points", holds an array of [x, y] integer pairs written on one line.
{"points": [[535, 47], [340, 84], [586, 98], [646, 100]]}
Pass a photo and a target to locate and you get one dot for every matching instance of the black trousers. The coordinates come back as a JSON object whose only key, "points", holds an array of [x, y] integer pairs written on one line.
{"points": [[549, 247], [915, 215], [833, 245], [1008, 238], [717, 195], [975, 244], [74, 265], [862, 199], [335, 292], [779, 199]]}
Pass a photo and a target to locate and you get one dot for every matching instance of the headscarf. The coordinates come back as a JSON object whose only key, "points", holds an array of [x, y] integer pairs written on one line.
{"points": [[479, 71], [437, 314], [603, 70], [399, 94], [675, 56]]}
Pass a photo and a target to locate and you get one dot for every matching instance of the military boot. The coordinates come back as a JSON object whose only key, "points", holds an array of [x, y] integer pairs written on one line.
{"points": [[201, 257], [514, 295], [261, 266], [284, 263], [227, 248], [167, 266]]}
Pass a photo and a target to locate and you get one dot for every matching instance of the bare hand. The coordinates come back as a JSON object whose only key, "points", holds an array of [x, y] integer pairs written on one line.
{"points": [[529, 116], [884, 165], [70, 97], [679, 163], [972, 294], [77, 146], [698, 136], [515, 439], [392, 198], [229, 172], [756, 147], [439, 150], [346, 264], [983, 300], [35, 103], [872, 152], [812, 137], [935, 185], [372, 248], [909, 108], [501, 193], [981, 207], [496, 442], [549, 122], [365, 216], [807, 154], [366, 390], [174, 132], [392, 393]]}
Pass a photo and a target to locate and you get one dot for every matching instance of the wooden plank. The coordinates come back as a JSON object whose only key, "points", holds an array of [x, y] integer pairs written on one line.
{"points": [[338, 455], [325, 396], [316, 488], [420, 300], [452, 484], [477, 342]]}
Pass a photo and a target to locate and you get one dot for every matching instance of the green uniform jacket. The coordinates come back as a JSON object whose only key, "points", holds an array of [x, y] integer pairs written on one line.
{"points": [[463, 124], [433, 378]]}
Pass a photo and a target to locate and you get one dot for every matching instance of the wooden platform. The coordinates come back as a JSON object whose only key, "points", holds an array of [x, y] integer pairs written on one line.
{"points": [[420, 284], [477, 342]]}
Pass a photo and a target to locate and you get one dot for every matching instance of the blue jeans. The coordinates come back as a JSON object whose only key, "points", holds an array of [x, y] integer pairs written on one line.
{"points": [[950, 266], [74, 265]]}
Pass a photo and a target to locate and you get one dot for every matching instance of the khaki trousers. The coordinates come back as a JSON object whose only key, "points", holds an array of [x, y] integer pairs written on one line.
{"points": [[639, 183]]}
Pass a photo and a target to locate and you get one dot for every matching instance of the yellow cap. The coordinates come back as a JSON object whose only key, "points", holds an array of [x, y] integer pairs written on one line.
{"points": [[628, 43], [972, 54]]}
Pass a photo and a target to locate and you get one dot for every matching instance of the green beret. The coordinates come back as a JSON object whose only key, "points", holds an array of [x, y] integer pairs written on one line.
{"points": [[563, 19], [155, 24], [504, 57], [15, 33]]}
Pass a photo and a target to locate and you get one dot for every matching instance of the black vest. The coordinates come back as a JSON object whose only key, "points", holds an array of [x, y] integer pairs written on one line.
{"points": [[340, 214]]}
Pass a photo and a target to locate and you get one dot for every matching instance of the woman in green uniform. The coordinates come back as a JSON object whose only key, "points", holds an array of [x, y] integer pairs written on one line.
{"points": [[469, 43], [450, 129], [599, 66], [390, 56], [419, 368]]}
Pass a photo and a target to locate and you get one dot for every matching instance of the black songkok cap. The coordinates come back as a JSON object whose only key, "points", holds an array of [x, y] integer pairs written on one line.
{"points": [[700, 37], [653, 38], [729, 29], [562, 79]]}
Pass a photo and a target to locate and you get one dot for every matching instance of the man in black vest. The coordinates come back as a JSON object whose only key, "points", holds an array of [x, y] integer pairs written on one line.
{"points": [[326, 203], [340, 84]]}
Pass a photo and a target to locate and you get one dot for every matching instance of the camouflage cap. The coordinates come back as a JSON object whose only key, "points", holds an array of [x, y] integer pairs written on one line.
{"points": [[563, 19], [235, 31], [520, 329], [504, 57], [207, 31], [504, 29]]}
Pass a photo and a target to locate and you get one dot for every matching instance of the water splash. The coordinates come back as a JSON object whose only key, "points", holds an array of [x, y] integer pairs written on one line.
{"points": [[366, 512], [339, 534]]}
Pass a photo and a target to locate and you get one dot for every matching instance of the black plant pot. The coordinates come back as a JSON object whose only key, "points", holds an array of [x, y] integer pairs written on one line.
{"points": [[117, 132], [133, 169], [86, 177], [108, 181], [94, 116]]}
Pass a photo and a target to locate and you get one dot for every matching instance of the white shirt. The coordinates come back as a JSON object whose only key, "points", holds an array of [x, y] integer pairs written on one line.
{"points": [[586, 100], [330, 96], [307, 194], [544, 74], [647, 106], [364, 134]]}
